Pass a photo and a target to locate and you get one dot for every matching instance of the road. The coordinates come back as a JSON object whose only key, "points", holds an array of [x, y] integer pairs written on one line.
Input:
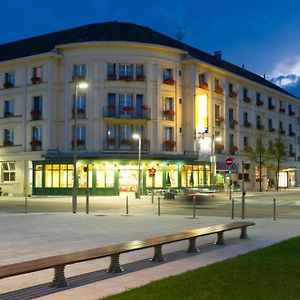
{"points": [[257, 205]]}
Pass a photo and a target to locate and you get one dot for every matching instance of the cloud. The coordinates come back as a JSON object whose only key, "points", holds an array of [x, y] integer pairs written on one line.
{"points": [[287, 66]]}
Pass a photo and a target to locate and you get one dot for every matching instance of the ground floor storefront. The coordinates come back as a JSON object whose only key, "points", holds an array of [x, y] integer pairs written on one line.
{"points": [[112, 176]]}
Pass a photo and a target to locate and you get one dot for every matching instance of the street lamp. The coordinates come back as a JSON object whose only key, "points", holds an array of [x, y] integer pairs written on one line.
{"points": [[138, 137], [82, 85], [213, 160]]}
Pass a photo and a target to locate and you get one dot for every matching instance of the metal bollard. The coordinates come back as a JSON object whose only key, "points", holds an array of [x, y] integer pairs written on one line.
{"points": [[26, 204], [194, 207], [243, 205], [232, 208], [158, 205], [87, 202], [274, 208], [127, 205]]}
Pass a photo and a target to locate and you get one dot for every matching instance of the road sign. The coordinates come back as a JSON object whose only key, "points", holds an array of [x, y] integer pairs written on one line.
{"points": [[152, 172], [229, 161]]}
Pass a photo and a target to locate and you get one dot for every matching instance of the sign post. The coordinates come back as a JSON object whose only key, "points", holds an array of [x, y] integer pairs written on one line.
{"points": [[152, 175], [229, 163]]}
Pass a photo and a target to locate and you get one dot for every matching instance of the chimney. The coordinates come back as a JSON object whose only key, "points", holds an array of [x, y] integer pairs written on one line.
{"points": [[218, 55], [243, 66]]}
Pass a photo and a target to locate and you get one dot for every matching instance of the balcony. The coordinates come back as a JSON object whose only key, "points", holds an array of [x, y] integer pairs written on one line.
{"points": [[169, 81], [233, 149], [126, 78], [112, 144], [233, 95], [8, 114], [260, 127], [203, 85], [219, 119], [247, 100], [292, 134], [112, 77], [282, 110], [219, 90], [8, 143], [36, 145], [291, 113], [259, 103], [36, 115], [169, 145], [80, 113], [271, 129], [8, 85], [127, 112], [169, 114], [232, 123], [36, 80], [247, 124], [219, 148], [80, 144], [292, 154], [248, 148], [281, 131], [271, 107]]}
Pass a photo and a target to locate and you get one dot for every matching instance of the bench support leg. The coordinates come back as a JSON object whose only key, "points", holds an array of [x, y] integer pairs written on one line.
{"points": [[244, 234], [192, 247], [157, 256], [114, 266], [220, 239], [59, 279]]}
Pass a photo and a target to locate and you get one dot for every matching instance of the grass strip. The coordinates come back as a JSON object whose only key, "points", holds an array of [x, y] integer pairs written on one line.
{"points": [[269, 273]]}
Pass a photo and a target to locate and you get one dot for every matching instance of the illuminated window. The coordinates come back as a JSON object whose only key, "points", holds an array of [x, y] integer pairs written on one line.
{"points": [[8, 171], [79, 71], [37, 72], [38, 176]]}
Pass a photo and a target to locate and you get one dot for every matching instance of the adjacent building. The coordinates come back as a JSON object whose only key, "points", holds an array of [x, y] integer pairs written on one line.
{"points": [[191, 110]]}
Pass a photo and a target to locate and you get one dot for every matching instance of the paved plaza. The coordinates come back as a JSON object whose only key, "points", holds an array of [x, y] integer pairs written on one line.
{"points": [[35, 235]]}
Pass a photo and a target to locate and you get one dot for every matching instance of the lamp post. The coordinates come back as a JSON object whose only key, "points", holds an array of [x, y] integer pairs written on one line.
{"points": [[138, 137], [213, 170], [82, 85]]}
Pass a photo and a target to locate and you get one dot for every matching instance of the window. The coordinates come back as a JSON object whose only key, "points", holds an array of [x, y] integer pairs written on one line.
{"points": [[217, 83], [230, 88], [36, 112], [231, 140], [111, 105], [80, 135], [8, 171], [217, 110], [258, 98], [168, 133], [246, 141], [126, 133], [290, 128], [111, 69], [167, 74], [8, 137], [9, 108], [280, 125], [270, 124], [141, 109], [258, 121], [202, 78], [290, 108], [79, 71], [37, 72], [291, 150], [168, 109], [139, 70], [245, 93], [9, 79], [126, 105], [245, 119], [36, 133], [80, 105], [126, 70]]}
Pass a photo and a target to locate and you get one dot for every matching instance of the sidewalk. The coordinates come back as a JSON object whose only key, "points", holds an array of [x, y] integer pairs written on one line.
{"points": [[37, 235]]}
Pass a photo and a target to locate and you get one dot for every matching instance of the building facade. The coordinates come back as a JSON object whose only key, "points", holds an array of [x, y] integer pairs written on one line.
{"points": [[190, 109]]}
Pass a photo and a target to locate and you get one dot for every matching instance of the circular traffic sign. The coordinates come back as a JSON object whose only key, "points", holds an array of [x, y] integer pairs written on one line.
{"points": [[229, 161]]}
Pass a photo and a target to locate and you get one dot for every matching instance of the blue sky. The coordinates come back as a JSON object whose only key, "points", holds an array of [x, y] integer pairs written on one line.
{"points": [[263, 35]]}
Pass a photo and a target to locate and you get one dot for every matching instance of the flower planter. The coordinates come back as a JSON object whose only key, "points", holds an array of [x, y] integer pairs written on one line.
{"points": [[169, 81], [128, 109], [170, 144], [35, 143], [292, 134], [7, 114], [281, 131], [126, 142], [271, 129], [110, 140], [7, 85], [233, 122], [144, 108], [126, 78], [247, 148], [282, 110], [233, 149], [259, 103], [140, 78], [247, 124], [219, 90], [35, 80], [271, 107], [247, 100], [7, 143], [291, 113], [292, 154], [203, 85], [219, 147], [233, 95], [111, 106], [112, 77], [169, 113], [260, 127], [219, 119]]}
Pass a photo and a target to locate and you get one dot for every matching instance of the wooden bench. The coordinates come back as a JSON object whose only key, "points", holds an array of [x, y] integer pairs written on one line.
{"points": [[58, 262]]}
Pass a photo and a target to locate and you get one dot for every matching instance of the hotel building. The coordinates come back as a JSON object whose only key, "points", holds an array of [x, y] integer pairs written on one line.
{"points": [[191, 110]]}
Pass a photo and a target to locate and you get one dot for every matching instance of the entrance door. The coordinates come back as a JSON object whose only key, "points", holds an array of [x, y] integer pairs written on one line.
{"points": [[128, 180]]}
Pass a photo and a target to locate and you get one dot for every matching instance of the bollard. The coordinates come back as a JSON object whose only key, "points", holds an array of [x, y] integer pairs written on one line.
{"points": [[243, 205], [87, 202], [194, 207], [126, 205], [158, 203], [25, 204], [232, 208], [274, 208]]}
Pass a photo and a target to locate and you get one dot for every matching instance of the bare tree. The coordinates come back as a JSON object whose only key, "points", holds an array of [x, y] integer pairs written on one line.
{"points": [[279, 154], [259, 155]]}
